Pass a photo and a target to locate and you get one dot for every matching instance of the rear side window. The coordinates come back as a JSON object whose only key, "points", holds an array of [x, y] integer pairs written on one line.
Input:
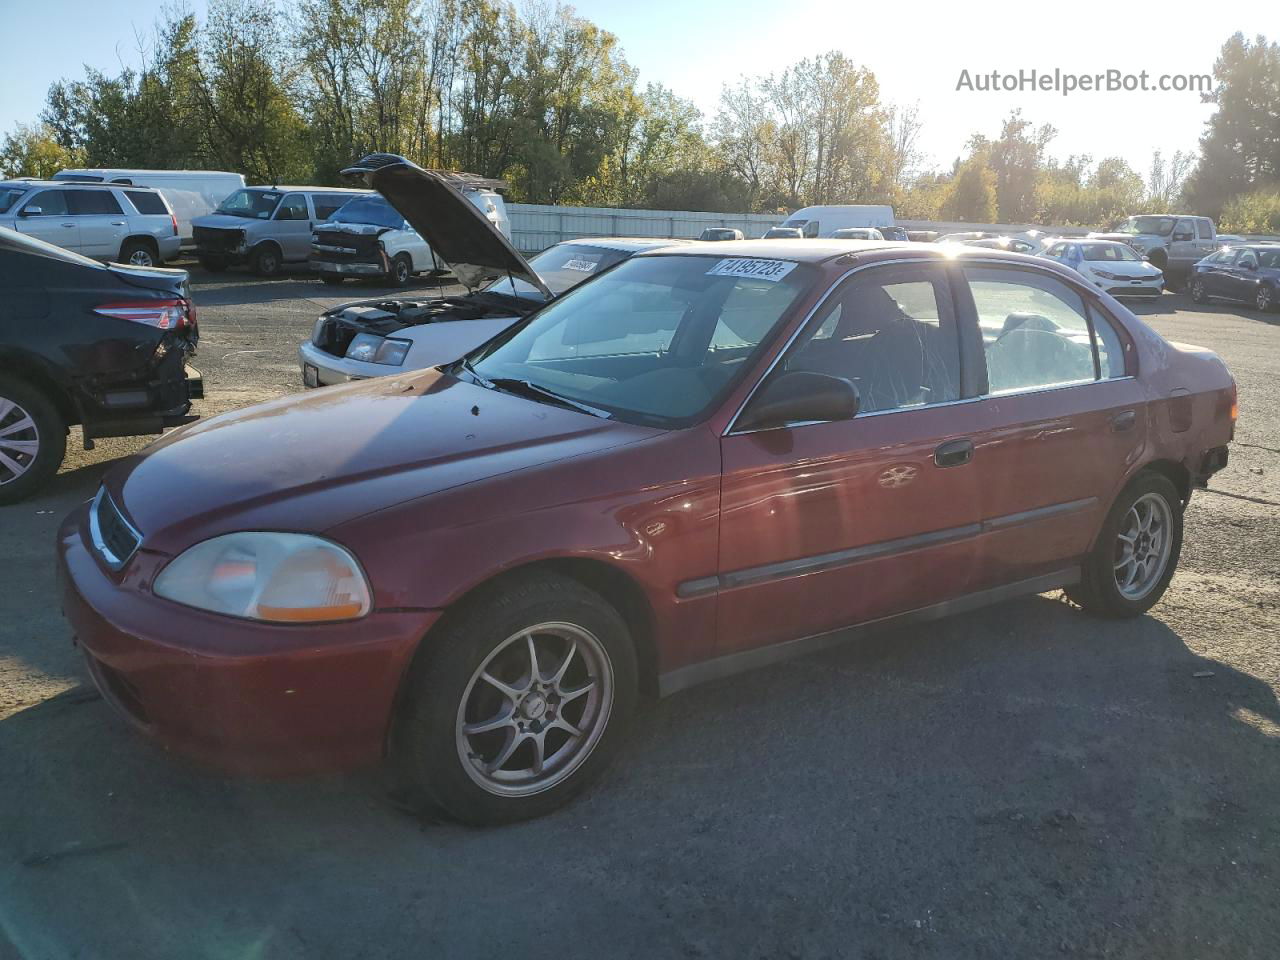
{"points": [[84, 202], [1206, 230], [327, 204], [52, 203], [1035, 330], [145, 202]]}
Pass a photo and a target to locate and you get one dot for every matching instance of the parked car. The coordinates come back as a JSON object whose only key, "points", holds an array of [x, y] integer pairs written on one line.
{"points": [[1110, 265], [1173, 243], [1230, 239], [857, 233], [379, 337], [105, 347], [369, 238], [716, 234], [767, 447], [1009, 244], [965, 236], [825, 219], [1249, 273], [896, 234], [922, 236], [106, 222], [783, 233], [265, 227], [190, 193]]}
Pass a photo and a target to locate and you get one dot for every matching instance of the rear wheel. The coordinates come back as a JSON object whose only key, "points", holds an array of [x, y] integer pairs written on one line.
{"points": [[518, 704], [266, 260], [1265, 298], [401, 270], [33, 439], [1197, 291], [1137, 552], [138, 253]]}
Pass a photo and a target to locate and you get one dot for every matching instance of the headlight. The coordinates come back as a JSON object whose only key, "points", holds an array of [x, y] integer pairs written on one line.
{"points": [[1106, 275], [278, 577], [372, 348]]}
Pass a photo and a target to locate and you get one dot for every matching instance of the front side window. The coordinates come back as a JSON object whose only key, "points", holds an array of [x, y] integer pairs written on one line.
{"points": [[1248, 260], [51, 203], [1185, 230], [293, 207], [891, 332], [86, 202], [1035, 331], [656, 340]]}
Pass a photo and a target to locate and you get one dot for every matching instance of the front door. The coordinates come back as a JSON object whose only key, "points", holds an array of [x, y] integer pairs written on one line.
{"points": [[1184, 249], [45, 216], [834, 523], [293, 227], [1240, 281], [1061, 422]]}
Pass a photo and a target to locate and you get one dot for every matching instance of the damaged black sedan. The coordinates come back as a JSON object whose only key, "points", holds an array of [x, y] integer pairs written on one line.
{"points": [[105, 347]]}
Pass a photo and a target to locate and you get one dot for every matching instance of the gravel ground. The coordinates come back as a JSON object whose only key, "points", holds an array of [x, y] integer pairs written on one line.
{"points": [[1019, 782]]}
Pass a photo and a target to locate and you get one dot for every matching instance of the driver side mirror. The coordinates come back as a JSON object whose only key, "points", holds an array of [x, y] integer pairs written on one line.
{"points": [[800, 396], [31, 212]]}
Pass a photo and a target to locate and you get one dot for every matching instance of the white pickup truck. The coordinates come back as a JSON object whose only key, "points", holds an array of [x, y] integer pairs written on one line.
{"points": [[1172, 242]]}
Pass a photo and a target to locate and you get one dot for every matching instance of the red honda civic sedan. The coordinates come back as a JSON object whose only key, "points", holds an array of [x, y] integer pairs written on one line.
{"points": [[693, 464]]}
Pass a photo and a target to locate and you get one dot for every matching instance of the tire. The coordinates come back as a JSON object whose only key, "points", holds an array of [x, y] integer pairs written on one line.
{"points": [[1265, 299], [1099, 591], [330, 280], [445, 692], [20, 403], [1197, 291], [213, 264], [401, 270], [138, 253], [266, 260]]}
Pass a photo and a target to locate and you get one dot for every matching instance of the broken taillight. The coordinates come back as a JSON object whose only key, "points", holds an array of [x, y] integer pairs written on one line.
{"points": [[161, 314]]}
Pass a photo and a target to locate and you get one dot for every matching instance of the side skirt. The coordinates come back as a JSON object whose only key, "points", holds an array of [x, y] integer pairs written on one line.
{"points": [[676, 680]]}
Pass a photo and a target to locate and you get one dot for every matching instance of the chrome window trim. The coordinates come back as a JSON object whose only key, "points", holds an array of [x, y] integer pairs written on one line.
{"points": [[95, 530]]}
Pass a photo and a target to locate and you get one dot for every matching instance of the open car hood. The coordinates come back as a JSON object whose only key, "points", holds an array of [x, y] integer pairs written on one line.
{"points": [[433, 203]]}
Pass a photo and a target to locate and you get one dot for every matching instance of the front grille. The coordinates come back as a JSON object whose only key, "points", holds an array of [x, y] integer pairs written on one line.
{"points": [[212, 239], [1136, 291], [336, 246], [113, 536]]}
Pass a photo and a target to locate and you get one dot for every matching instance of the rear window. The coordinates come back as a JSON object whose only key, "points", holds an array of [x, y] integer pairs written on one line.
{"points": [[84, 202], [78, 177], [327, 204], [372, 210], [145, 202]]}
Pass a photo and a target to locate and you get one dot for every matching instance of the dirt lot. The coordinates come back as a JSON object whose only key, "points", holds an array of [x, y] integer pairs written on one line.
{"points": [[1019, 782]]}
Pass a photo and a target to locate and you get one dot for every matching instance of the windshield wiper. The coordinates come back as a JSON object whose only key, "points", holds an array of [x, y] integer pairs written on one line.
{"points": [[534, 391]]}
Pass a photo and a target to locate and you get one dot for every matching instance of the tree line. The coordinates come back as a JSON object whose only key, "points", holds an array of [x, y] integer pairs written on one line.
{"points": [[544, 99]]}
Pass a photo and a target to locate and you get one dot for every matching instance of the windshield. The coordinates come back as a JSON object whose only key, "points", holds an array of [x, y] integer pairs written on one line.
{"points": [[561, 268], [9, 196], [783, 232], [1108, 251], [373, 210], [656, 340], [254, 204], [1160, 226]]}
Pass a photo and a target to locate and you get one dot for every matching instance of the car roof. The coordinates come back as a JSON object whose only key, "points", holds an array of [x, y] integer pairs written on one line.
{"points": [[801, 251], [629, 244], [32, 184], [286, 188]]}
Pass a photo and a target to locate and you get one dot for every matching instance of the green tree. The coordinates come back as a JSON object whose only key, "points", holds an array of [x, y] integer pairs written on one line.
{"points": [[32, 151], [972, 194]]}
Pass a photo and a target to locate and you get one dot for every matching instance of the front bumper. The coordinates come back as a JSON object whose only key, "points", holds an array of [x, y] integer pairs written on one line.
{"points": [[351, 268], [243, 696], [330, 370], [1147, 288]]}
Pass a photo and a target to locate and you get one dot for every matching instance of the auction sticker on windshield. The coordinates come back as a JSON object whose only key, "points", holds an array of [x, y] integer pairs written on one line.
{"points": [[772, 270], [583, 266]]}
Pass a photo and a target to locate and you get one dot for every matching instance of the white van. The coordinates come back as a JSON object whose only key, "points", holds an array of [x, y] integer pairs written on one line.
{"points": [[191, 193], [824, 221]]}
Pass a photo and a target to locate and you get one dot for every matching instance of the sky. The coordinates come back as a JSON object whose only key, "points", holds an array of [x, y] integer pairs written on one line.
{"points": [[917, 51]]}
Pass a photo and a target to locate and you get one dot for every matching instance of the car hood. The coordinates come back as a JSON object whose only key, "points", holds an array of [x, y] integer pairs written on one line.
{"points": [[434, 204], [223, 221], [312, 461], [1125, 268]]}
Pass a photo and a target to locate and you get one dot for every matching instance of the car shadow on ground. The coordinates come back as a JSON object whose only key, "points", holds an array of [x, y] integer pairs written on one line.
{"points": [[1019, 781], [234, 287], [1183, 303]]}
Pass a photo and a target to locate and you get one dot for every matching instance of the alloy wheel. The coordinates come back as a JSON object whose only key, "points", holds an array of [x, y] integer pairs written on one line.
{"points": [[19, 440], [1197, 291], [141, 258], [1263, 298], [1143, 546], [535, 709]]}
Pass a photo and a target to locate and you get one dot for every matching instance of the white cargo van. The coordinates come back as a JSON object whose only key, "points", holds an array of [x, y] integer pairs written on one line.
{"points": [[823, 221], [191, 193]]}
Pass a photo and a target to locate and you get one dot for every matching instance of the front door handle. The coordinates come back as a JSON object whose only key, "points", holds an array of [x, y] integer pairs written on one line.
{"points": [[68, 225], [953, 453], [118, 223], [1124, 421]]}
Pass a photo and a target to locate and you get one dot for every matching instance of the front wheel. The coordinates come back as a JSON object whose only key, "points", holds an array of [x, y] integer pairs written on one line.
{"points": [[33, 439], [1264, 299], [518, 703], [266, 261], [401, 270], [1131, 565], [1197, 291]]}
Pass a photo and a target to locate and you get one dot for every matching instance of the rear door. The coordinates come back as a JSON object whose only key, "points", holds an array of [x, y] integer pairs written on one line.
{"points": [[834, 523], [103, 225], [45, 216], [1061, 420]]}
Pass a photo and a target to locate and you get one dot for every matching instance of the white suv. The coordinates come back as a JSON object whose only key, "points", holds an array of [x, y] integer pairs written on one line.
{"points": [[121, 223]]}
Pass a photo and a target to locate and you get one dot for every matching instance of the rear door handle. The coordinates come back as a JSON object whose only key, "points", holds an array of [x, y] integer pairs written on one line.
{"points": [[68, 225], [1124, 421], [953, 453], [117, 223]]}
